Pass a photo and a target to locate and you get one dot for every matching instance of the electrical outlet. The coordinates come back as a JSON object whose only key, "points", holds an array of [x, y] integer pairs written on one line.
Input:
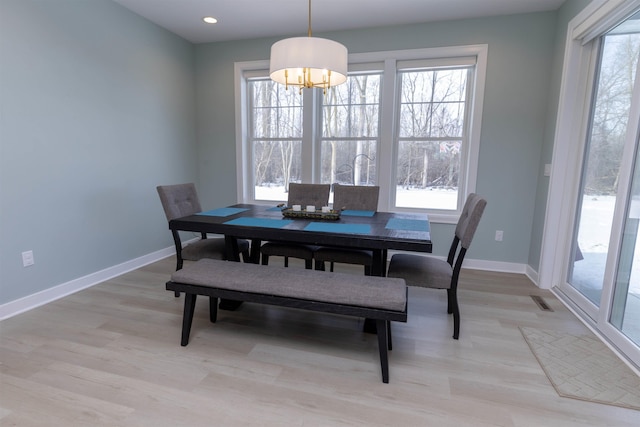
{"points": [[499, 235], [27, 258]]}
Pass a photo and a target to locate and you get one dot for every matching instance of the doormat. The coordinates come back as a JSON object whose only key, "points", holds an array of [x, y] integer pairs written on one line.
{"points": [[583, 367]]}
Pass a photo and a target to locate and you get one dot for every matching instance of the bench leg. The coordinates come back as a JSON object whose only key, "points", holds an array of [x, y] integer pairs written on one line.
{"points": [[382, 346], [213, 309], [187, 317], [369, 326]]}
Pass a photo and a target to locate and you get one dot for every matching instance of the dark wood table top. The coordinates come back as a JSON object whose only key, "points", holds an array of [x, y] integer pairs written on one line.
{"points": [[380, 231]]}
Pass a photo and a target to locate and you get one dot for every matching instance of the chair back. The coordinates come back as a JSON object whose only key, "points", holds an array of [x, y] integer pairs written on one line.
{"points": [[356, 197], [179, 200], [308, 194], [469, 219]]}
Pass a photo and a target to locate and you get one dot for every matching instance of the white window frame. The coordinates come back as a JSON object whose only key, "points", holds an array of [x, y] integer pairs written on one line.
{"points": [[387, 150], [374, 69]]}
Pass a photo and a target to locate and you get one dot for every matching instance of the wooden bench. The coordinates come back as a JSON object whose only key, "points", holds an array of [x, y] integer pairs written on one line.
{"points": [[377, 298]]}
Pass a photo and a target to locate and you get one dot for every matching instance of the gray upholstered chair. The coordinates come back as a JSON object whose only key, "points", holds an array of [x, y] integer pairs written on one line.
{"points": [[351, 197], [181, 200], [430, 272], [304, 195]]}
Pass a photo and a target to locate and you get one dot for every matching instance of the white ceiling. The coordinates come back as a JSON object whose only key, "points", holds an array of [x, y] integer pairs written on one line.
{"points": [[244, 19]]}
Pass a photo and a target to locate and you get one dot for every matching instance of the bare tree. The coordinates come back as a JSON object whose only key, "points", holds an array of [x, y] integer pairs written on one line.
{"points": [[611, 112]]}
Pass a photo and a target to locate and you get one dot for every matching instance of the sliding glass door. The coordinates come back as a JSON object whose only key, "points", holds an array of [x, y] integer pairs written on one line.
{"points": [[603, 270], [625, 308]]}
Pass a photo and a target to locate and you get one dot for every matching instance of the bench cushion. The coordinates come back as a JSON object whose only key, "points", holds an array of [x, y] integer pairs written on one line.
{"points": [[339, 288]]}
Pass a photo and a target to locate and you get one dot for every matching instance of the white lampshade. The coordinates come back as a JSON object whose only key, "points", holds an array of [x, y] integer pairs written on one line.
{"points": [[315, 54]]}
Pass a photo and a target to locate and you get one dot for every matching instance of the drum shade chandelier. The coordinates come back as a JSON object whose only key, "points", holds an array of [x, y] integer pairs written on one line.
{"points": [[308, 62]]}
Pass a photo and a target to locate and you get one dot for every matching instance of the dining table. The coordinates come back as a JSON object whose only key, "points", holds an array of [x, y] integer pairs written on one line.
{"points": [[378, 232]]}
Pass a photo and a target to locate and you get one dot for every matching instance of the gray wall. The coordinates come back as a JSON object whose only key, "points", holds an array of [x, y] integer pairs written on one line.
{"points": [[97, 107], [521, 49], [568, 10]]}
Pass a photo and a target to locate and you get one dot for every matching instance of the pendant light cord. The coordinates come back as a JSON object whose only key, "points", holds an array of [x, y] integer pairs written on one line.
{"points": [[309, 18]]}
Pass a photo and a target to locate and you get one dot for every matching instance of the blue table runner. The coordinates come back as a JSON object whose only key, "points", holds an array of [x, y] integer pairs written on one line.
{"points": [[329, 227], [352, 212], [407, 224], [223, 211], [260, 222]]}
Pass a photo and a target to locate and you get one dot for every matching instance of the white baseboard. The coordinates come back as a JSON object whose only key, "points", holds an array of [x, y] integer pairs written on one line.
{"points": [[29, 302], [532, 275], [479, 264], [502, 267]]}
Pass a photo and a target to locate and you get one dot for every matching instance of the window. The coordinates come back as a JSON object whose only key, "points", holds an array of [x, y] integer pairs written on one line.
{"points": [[408, 121], [350, 131], [431, 134], [275, 138]]}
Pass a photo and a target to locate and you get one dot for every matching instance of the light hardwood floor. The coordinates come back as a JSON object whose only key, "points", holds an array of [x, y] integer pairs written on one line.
{"points": [[111, 356]]}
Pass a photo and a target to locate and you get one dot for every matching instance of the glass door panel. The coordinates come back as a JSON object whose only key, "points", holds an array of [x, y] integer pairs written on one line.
{"points": [[625, 303], [601, 171], [625, 309]]}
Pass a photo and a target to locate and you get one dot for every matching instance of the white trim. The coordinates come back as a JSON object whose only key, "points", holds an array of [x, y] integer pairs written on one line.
{"points": [[46, 296], [603, 16], [495, 266], [243, 190], [426, 53], [478, 52], [532, 275], [479, 264], [388, 150], [38, 299]]}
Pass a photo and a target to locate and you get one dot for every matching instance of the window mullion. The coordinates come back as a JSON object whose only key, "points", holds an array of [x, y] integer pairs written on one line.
{"points": [[388, 116], [308, 136]]}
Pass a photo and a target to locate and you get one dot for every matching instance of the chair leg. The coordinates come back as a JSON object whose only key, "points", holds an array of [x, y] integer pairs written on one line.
{"points": [[319, 265], [179, 264], [452, 303], [331, 267], [265, 259], [286, 261], [246, 257], [308, 264]]}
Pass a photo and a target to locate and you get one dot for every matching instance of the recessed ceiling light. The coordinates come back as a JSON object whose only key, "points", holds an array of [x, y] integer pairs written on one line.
{"points": [[209, 19]]}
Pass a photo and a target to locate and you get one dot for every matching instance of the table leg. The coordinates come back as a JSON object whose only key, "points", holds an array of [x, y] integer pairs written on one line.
{"points": [[233, 254], [378, 268], [255, 251]]}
